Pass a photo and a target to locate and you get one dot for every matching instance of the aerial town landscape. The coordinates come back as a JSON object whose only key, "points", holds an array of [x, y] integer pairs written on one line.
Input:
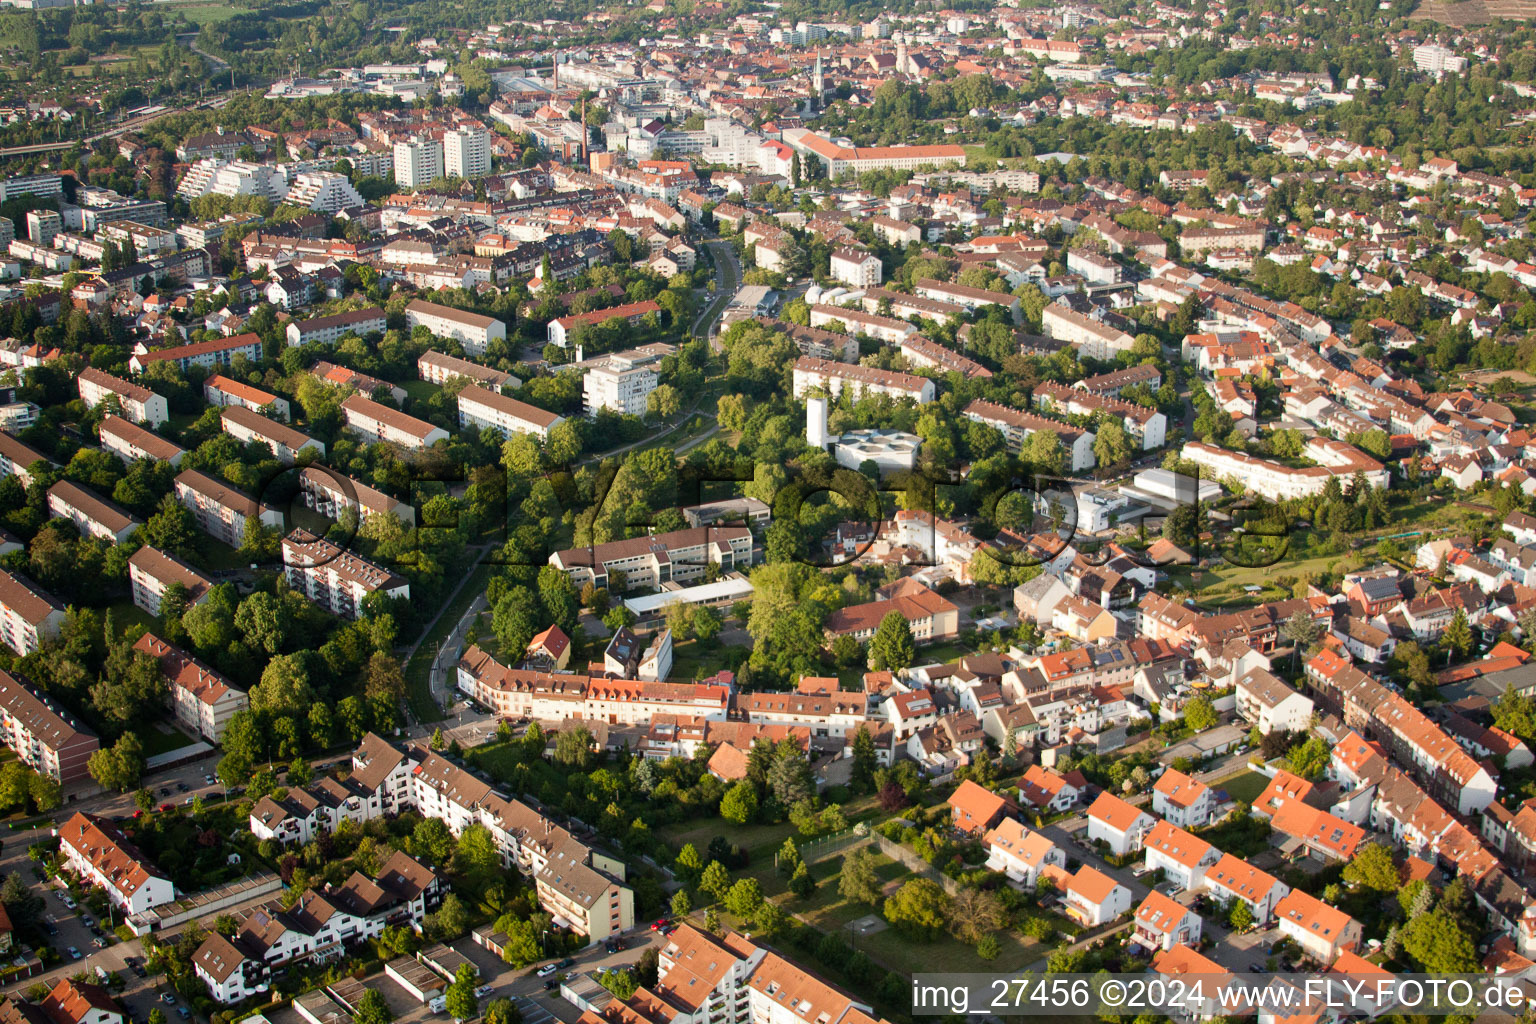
{"points": [[718, 511]]}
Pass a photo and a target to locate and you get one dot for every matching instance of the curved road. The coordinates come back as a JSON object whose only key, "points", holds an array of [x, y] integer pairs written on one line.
{"points": [[727, 281]]}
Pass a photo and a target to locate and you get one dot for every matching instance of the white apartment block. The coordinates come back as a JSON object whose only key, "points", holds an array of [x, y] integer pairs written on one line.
{"points": [[138, 404], [1017, 426], [1280, 482], [221, 391], [16, 458], [1092, 339], [480, 409], [418, 162], [619, 386], [332, 494], [334, 578], [28, 614], [377, 422], [327, 330], [833, 377], [220, 509], [323, 192], [92, 516], [678, 556], [152, 571], [287, 444], [131, 442], [856, 268], [204, 700], [470, 330], [94, 849], [467, 153], [440, 368], [44, 737]]}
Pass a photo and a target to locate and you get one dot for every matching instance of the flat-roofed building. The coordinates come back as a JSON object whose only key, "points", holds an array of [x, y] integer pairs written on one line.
{"points": [[480, 408], [152, 571], [43, 735], [334, 578], [287, 444], [471, 330], [28, 614], [137, 403], [377, 422], [678, 556], [92, 516], [222, 510], [131, 442]]}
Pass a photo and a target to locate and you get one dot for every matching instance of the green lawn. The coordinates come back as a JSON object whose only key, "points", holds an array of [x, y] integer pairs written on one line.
{"points": [[206, 14], [691, 661], [126, 614], [419, 390], [157, 741], [1245, 786]]}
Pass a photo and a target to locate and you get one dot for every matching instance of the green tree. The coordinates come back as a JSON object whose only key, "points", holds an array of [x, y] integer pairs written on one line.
{"points": [[1309, 758], [1458, 635], [681, 903], [918, 907], [716, 880], [372, 1009], [802, 883], [1241, 916], [1372, 868], [861, 777], [858, 882], [460, 999], [744, 898], [1200, 713], [892, 647], [739, 805]]}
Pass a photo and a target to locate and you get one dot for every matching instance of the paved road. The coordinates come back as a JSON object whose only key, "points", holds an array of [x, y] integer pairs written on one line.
{"points": [[727, 282]]}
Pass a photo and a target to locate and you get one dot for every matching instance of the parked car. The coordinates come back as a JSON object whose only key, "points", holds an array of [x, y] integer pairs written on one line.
{"points": [[74, 954], [183, 1012], [167, 998], [484, 990], [438, 1005], [563, 964], [547, 970], [658, 925], [549, 985], [181, 787], [65, 899]]}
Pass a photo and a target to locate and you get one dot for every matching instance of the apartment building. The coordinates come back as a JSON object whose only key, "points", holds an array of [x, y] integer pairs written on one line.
{"points": [[377, 422], [220, 391], [857, 322], [1122, 826], [222, 510], [856, 267], [17, 458], [1322, 931], [1280, 482], [930, 616], [362, 383], [706, 975], [619, 385], [203, 698], [483, 409], [97, 851], [440, 368], [138, 404], [556, 696], [92, 516], [649, 562], [962, 295], [1017, 426], [471, 330], [1182, 801], [288, 445], [833, 378], [43, 735], [29, 615], [131, 442], [318, 926], [1091, 338], [840, 160], [1147, 426], [213, 352], [1163, 922], [467, 153], [418, 162], [328, 330], [334, 578], [333, 495], [1271, 704], [560, 329], [152, 571]]}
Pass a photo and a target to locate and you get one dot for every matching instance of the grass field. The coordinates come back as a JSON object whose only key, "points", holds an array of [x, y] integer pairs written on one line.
{"points": [[206, 14], [690, 660], [419, 390], [1245, 786], [157, 741]]}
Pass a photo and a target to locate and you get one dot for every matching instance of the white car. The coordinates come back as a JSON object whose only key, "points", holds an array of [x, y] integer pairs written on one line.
{"points": [[547, 970], [484, 990]]}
